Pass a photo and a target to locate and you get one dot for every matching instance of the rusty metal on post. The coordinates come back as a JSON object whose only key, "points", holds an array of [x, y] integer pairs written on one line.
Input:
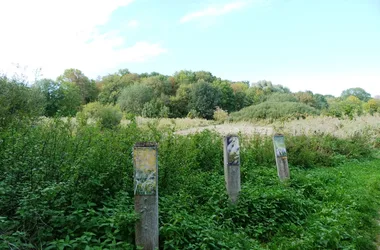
{"points": [[281, 157], [232, 166], [146, 194]]}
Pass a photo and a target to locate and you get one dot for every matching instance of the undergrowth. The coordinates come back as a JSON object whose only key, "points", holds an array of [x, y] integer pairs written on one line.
{"points": [[69, 187]]}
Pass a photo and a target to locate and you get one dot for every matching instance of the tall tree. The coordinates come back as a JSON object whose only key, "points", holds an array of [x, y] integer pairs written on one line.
{"points": [[133, 98], [204, 99], [358, 92], [18, 100], [227, 96], [87, 87], [53, 95]]}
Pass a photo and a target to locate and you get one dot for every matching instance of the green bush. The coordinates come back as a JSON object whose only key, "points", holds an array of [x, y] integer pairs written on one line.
{"points": [[107, 116], [220, 115], [274, 110]]}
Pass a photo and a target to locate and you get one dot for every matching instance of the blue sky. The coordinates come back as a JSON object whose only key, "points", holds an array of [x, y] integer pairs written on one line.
{"points": [[325, 46]]}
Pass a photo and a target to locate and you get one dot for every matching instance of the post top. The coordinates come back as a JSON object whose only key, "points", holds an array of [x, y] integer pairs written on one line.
{"points": [[145, 145]]}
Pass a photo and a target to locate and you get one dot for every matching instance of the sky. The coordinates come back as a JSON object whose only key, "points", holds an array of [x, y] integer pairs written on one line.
{"points": [[324, 46]]}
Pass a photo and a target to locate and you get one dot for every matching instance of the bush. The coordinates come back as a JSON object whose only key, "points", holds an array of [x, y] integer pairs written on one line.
{"points": [[107, 116], [220, 115], [274, 110]]}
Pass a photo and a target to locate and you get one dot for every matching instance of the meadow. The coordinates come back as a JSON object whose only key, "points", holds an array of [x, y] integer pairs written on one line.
{"points": [[65, 185]]}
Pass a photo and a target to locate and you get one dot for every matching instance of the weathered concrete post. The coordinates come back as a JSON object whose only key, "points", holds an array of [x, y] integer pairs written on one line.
{"points": [[146, 194], [232, 166], [281, 157]]}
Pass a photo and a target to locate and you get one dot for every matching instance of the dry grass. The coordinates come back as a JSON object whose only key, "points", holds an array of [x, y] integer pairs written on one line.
{"points": [[330, 125], [175, 123]]}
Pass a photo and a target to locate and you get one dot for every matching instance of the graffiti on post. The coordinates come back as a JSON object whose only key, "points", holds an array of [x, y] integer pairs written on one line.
{"points": [[233, 150], [279, 145], [145, 160]]}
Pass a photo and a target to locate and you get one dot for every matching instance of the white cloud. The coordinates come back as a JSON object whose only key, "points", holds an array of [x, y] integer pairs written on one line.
{"points": [[56, 35], [133, 23], [215, 10]]}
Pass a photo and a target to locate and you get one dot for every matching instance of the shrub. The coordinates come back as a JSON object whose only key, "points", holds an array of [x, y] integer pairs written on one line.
{"points": [[274, 110], [220, 115], [107, 116]]}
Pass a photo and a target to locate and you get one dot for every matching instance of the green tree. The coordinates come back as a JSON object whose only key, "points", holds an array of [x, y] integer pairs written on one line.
{"points": [[111, 86], [240, 96], [87, 87], [372, 106], [205, 76], [17, 100], [185, 77], [357, 92], [320, 102], [133, 98], [53, 95], [70, 99], [204, 99], [227, 96], [179, 104], [159, 84]]}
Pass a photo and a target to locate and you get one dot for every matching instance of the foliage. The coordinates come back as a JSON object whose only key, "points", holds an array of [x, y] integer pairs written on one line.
{"points": [[67, 187], [220, 115], [18, 101], [360, 93], [274, 110], [107, 116], [112, 85], [372, 106], [351, 106], [133, 98], [282, 97], [71, 99], [204, 98], [87, 87]]}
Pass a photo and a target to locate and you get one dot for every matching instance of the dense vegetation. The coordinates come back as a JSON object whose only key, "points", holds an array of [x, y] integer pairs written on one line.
{"points": [[70, 187], [185, 94]]}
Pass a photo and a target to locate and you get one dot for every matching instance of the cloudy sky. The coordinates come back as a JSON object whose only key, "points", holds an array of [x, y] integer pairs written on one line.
{"points": [[324, 46]]}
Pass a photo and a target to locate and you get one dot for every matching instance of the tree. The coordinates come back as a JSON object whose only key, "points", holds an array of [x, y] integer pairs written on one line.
{"points": [[52, 93], [306, 97], [70, 99], [185, 77], [372, 106], [87, 87], [320, 102], [204, 99], [133, 98], [227, 96], [18, 101], [179, 104], [240, 96], [159, 84], [205, 76], [350, 107], [357, 92], [111, 86]]}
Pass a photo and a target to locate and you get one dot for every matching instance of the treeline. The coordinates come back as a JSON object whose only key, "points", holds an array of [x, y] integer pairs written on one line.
{"points": [[184, 94]]}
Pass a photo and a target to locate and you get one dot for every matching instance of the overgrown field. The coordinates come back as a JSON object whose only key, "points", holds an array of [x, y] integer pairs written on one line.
{"points": [[64, 186]]}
